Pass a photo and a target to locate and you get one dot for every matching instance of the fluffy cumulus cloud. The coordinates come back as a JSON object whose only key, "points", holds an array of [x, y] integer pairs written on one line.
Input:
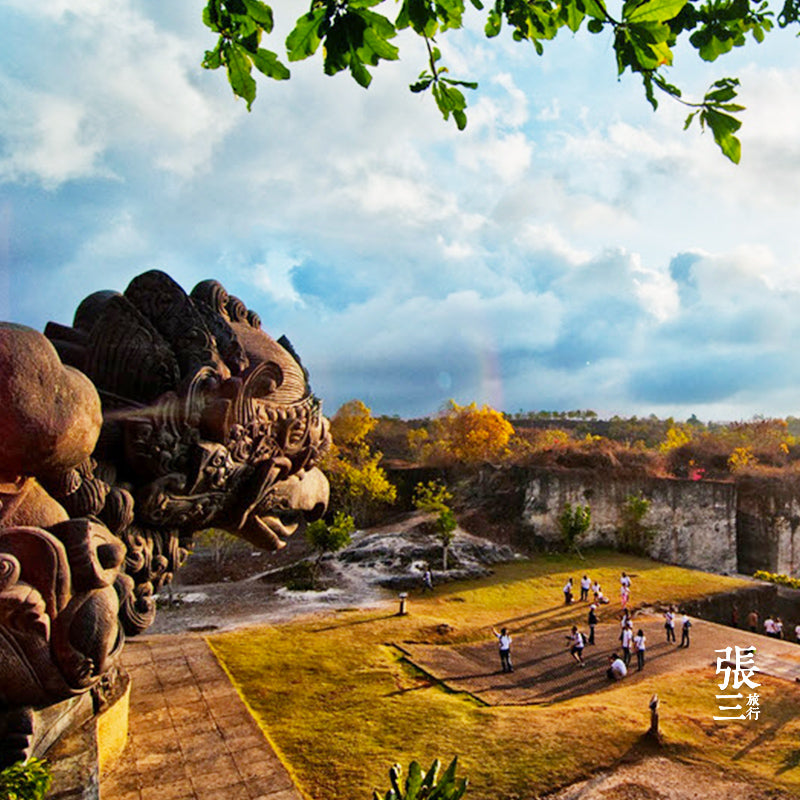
{"points": [[569, 249]]}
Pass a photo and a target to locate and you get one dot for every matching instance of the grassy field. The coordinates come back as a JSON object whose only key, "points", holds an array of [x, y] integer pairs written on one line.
{"points": [[340, 704]]}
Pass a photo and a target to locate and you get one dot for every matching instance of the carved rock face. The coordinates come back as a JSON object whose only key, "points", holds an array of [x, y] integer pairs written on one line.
{"points": [[51, 413], [208, 422], [59, 629]]}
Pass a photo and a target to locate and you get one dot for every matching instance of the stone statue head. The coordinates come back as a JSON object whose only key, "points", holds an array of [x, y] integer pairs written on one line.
{"points": [[207, 422]]}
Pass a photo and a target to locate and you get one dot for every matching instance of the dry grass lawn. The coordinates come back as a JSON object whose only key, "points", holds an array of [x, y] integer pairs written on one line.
{"points": [[341, 704]]}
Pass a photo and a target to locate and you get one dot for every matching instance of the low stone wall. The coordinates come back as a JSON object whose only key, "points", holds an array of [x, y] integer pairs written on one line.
{"points": [[694, 521]]}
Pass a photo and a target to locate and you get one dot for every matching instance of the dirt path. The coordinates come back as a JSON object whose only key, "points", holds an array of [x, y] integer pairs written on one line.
{"points": [[544, 671]]}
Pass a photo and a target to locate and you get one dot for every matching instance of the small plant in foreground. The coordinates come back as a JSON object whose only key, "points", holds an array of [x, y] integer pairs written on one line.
{"points": [[27, 780], [425, 786]]}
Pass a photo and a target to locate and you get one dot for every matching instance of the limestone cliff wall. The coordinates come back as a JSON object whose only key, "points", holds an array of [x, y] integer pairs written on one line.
{"points": [[768, 524], [728, 527], [694, 521]]}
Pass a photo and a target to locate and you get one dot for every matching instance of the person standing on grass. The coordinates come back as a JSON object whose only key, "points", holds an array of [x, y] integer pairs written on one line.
{"points": [[687, 624], [592, 621], [504, 640], [624, 588], [585, 586], [627, 640], [568, 592], [639, 642], [669, 625], [577, 643]]}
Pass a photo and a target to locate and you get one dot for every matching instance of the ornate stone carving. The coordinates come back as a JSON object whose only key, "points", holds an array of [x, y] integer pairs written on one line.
{"points": [[59, 630], [208, 422], [205, 421]]}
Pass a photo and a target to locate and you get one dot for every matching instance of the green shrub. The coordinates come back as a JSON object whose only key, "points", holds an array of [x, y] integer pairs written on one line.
{"points": [[27, 780], [573, 523], [633, 535], [425, 786]]}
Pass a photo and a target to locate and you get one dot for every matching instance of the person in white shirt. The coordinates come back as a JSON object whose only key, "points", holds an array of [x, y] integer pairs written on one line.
{"points": [[669, 625], [769, 626], [504, 640], [577, 643], [639, 642], [778, 628], [627, 639], [797, 633], [616, 668], [568, 592], [585, 586]]}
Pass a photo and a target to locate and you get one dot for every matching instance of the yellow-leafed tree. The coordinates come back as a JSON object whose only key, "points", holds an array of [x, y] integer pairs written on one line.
{"points": [[359, 487], [465, 434]]}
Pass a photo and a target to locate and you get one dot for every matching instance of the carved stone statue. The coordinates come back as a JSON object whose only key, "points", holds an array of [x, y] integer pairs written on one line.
{"points": [[59, 630], [207, 422], [166, 413]]}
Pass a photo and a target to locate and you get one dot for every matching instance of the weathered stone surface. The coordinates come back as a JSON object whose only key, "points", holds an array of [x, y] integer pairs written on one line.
{"points": [[50, 412], [694, 521], [208, 422], [59, 630]]}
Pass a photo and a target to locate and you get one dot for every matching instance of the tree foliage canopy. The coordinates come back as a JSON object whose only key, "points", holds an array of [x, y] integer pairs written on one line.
{"points": [[354, 35], [358, 485], [465, 434]]}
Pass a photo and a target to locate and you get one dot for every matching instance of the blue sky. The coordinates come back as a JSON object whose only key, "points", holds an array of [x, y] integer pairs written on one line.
{"points": [[570, 249]]}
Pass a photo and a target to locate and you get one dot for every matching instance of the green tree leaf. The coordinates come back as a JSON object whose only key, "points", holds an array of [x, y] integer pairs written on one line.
{"points": [[268, 63], [654, 11], [239, 68], [304, 40], [261, 13]]}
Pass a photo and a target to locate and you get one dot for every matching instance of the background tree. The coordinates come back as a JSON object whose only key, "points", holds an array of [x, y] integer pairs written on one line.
{"points": [[433, 497], [219, 542], [327, 538], [353, 35], [463, 434], [359, 486]]}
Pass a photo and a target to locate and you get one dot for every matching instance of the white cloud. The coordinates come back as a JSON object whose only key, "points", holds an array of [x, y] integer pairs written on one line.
{"points": [[47, 138]]}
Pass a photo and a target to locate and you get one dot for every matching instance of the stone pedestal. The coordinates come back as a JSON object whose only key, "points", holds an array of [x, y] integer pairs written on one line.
{"points": [[79, 744]]}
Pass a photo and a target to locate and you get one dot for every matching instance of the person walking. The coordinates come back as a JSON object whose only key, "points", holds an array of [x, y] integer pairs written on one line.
{"points": [[568, 592], [687, 624], [585, 586], [669, 625], [626, 640], [592, 621], [640, 643], [577, 642], [778, 628], [427, 580], [504, 641], [769, 626], [624, 589]]}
